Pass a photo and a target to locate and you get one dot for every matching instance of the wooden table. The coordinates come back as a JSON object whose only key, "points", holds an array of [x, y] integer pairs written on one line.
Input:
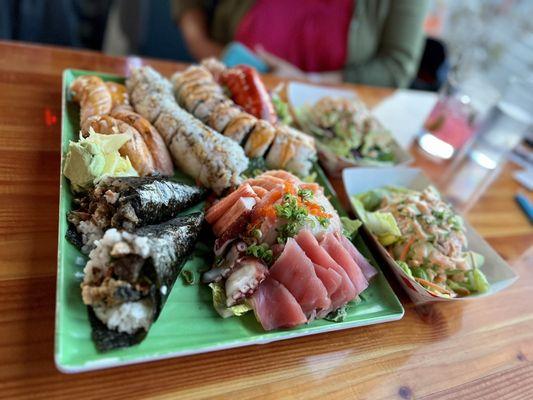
{"points": [[478, 349]]}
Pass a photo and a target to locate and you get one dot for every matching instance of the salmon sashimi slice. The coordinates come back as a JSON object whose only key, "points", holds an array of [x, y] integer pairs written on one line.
{"points": [[237, 215], [314, 187], [272, 179], [296, 271], [264, 207], [275, 307], [368, 270], [285, 175], [259, 191], [218, 209], [346, 291], [335, 249], [267, 184]]}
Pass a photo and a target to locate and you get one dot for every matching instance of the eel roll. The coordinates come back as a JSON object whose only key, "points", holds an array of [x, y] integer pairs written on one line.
{"points": [[129, 277], [128, 203]]}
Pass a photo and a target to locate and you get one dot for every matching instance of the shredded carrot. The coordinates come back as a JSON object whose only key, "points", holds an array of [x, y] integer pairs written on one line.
{"points": [[433, 286], [407, 248]]}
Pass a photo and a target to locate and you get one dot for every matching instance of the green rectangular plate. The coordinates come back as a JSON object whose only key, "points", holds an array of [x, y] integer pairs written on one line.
{"points": [[188, 323]]}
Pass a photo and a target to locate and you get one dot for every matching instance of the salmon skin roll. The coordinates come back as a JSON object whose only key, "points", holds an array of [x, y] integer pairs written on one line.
{"points": [[129, 276]]}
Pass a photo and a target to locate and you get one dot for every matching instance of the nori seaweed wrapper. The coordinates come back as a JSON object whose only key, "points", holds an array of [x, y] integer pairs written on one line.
{"points": [[153, 199], [129, 203], [170, 243]]}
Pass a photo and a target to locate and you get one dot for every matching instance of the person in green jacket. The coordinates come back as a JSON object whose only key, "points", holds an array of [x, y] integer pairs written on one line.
{"points": [[373, 42]]}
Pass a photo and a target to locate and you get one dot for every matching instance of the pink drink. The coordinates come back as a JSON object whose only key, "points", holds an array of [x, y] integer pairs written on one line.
{"points": [[451, 121]]}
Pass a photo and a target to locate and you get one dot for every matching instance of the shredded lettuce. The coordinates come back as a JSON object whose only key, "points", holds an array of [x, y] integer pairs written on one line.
{"points": [[477, 281], [219, 302], [338, 315], [474, 260], [403, 265], [350, 226], [341, 313], [381, 224], [282, 109]]}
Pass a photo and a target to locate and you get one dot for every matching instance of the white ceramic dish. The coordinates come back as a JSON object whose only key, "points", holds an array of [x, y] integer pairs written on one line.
{"points": [[497, 271], [302, 94]]}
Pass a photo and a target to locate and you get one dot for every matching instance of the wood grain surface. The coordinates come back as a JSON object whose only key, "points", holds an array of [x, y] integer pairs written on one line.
{"points": [[468, 350]]}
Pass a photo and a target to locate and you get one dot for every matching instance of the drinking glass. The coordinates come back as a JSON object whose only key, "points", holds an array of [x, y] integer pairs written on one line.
{"points": [[454, 119], [504, 127]]}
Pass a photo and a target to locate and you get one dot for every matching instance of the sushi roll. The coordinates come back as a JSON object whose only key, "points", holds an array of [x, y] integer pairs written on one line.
{"points": [[214, 66], [152, 138], [129, 203], [147, 79], [222, 115], [215, 160], [149, 106], [239, 128], [191, 100], [191, 88], [194, 74], [206, 155], [93, 96], [259, 139], [198, 90], [292, 151], [204, 109], [129, 276], [135, 149], [119, 95]]}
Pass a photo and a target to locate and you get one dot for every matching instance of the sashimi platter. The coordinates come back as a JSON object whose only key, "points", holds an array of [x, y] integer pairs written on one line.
{"points": [[194, 217]]}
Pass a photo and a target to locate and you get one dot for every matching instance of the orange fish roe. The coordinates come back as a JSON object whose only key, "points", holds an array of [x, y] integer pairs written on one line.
{"points": [[288, 187], [316, 210]]}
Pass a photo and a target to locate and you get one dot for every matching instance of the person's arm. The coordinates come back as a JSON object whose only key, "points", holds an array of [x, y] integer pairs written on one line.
{"points": [[284, 69], [399, 50], [192, 20]]}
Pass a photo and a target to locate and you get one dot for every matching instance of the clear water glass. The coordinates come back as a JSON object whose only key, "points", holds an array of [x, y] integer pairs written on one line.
{"points": [[504, 127]]}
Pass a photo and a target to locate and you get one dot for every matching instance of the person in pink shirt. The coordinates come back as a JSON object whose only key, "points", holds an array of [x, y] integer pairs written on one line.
{"points": [[377, 42]]}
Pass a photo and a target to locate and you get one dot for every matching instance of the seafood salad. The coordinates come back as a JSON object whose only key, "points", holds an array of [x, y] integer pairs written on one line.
{"points": [[347, 129], [425, 237], [280, 252]]}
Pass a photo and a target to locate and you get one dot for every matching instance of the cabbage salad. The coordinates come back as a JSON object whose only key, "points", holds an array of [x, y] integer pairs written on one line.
{"points": [[425, 237]]}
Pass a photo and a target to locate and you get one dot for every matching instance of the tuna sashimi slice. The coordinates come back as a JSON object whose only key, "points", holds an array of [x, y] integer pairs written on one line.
{"points": [[275, 307], [234, 216], [335, 249], [332, 281], [296, 271], [217, 210], [308, 243], [368, 270]]}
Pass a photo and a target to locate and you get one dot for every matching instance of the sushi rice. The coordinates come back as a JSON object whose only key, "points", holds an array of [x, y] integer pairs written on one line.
{"points": [[129, 316]]}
